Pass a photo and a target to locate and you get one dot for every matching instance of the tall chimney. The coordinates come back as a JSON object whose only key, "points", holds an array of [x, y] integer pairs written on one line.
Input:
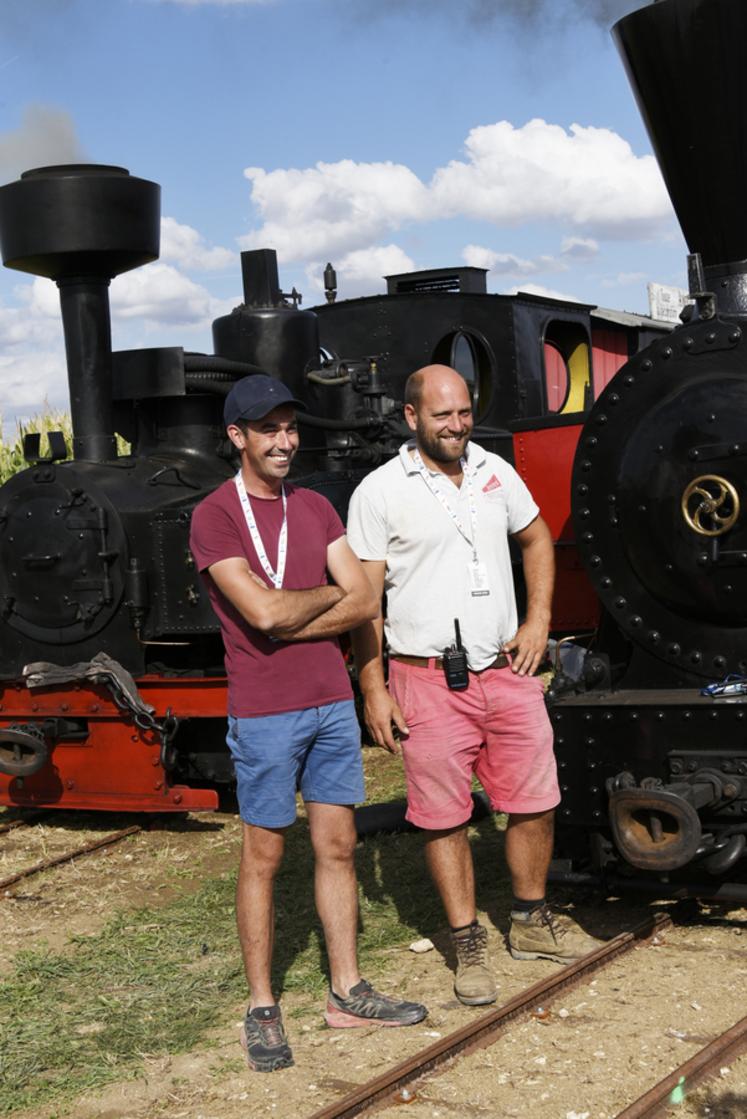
{"points": [[81, 225], [685, 62]]}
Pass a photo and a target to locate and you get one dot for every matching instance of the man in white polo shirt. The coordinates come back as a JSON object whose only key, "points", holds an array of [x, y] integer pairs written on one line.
{"points": [[431, 527]]}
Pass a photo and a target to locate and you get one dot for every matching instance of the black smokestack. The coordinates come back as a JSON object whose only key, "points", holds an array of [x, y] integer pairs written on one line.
{"points": [[685, 62], [81, 225]]}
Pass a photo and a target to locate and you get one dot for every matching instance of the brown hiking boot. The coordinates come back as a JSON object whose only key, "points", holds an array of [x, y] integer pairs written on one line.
{"points": [[474, 984], [544, 935]]}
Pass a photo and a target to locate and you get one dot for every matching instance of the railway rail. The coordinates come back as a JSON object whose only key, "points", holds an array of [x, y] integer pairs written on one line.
{"points": [[725, 1048], [397, 1084], [401, 1083], [22, 822], [66, 856]]}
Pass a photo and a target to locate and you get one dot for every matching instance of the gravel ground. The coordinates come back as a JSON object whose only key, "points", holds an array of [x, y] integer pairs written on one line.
{"points": [[599, 1047]]}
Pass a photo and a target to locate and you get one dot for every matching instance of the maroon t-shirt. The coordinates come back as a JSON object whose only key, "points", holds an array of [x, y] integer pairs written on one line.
{"points": [[268, 677]]}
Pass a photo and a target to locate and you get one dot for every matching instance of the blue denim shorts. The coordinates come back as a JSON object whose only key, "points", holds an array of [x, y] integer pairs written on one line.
{"points": [[316, 751]]}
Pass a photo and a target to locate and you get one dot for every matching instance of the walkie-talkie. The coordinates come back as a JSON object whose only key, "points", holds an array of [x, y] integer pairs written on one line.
{"points": [[455, 663]]}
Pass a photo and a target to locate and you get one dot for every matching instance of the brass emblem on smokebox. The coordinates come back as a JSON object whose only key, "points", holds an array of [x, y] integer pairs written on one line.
{"points": [[710, 505]]}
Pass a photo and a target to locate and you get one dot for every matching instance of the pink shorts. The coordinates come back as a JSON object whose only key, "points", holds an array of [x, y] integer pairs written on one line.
{"points": [[497, 729]]}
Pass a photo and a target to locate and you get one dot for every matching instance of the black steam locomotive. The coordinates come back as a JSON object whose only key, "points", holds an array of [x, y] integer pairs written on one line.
{"points": [[112, 692], [655, 770], [112, 688]]}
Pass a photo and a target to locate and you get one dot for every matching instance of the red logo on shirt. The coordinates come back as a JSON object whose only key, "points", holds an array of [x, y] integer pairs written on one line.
{"points": [[491, 484]]}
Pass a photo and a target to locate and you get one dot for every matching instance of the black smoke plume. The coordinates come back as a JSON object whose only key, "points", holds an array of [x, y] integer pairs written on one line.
{"points": [[529, 14]]}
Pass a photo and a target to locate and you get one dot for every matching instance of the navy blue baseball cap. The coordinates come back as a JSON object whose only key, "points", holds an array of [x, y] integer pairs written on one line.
{"points": [[253, 397]]}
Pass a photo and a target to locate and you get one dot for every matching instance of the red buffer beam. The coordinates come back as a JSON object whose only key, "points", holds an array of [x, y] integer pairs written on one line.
{"points": [[112, 764]]}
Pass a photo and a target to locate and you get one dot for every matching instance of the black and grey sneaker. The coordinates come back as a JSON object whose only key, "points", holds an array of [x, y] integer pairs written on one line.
{"points": [[366, 1007], [263, 1040]]}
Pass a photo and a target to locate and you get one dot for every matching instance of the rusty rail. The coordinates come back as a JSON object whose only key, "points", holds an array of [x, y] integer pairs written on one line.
{"points": [[25, 823], [483, 1031], [729, 1045], [78, 852]]}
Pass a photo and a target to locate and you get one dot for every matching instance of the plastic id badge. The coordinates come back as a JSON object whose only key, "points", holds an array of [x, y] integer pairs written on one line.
{"points": [[478, 579]]}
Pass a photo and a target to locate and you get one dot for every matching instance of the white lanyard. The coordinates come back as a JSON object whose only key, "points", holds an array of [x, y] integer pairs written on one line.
{"points": [[275, 577], [442, 498]]}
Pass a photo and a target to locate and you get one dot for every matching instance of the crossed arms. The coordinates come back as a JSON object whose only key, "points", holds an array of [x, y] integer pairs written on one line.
{"points": [[354, 603], [302, 615]]}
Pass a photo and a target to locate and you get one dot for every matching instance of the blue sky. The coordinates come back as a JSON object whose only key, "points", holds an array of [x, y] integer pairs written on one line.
{"points": [[382, 136]]}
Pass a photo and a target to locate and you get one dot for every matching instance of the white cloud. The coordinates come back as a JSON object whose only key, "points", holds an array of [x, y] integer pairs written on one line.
{"points": [[46, 136], [183, 245], [32, 361], [37, 321], [29, 379], [332, 207], [589, 177], [159, 295], [586, 177], [543, 292], [156, 295], [579, 248], [362, 271], [42, 297], [626, 278], [508, 264], [478, 256], [32, 358]]}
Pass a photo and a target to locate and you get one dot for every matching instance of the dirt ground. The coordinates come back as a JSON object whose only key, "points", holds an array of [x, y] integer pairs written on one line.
{"points": [[78, 898], [598, 1048]]}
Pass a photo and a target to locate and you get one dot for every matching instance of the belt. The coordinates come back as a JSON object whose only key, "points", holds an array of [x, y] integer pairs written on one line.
{"points": [[501, 661]]}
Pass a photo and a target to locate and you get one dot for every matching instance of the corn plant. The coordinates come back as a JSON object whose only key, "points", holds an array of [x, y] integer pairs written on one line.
{"points": [[11, 452]]}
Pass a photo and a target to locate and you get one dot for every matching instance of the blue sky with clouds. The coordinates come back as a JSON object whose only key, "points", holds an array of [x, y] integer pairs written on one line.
{"points": [[379, 135]]}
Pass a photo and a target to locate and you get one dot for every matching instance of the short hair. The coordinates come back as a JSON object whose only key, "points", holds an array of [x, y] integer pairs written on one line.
{"points": [[414, 389]]}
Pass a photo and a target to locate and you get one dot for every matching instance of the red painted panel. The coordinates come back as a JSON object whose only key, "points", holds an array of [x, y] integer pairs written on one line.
{"points": [[117, 767], [544, 459], [556, 377], [609, 352]]}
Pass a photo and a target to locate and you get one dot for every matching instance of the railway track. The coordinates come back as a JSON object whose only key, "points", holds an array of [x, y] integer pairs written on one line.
{"points": [[673, 1088], [25, 822], [61, 858], [403, 1083]]}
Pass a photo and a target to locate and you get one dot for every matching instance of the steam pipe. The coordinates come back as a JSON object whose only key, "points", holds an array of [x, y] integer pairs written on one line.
{"points": [[84, 302]]}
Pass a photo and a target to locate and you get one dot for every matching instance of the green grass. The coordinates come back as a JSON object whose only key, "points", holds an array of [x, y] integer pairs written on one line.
{"points": [[76, 1020], [156, 981]]}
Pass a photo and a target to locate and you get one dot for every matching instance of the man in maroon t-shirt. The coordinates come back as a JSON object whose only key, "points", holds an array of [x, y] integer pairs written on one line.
{"points": [[264, 548]]}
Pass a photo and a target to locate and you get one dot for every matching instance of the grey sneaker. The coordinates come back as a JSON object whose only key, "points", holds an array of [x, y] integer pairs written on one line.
{"points": [[544, 935], [474, 983], [263, 1040], [366, 1007]]}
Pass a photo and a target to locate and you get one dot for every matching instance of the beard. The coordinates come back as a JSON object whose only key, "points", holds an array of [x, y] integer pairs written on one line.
{"points": [[440, 450]]}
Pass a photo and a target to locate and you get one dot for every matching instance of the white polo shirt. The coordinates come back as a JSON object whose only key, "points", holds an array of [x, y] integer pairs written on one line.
{"points": [[394, 517]]}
